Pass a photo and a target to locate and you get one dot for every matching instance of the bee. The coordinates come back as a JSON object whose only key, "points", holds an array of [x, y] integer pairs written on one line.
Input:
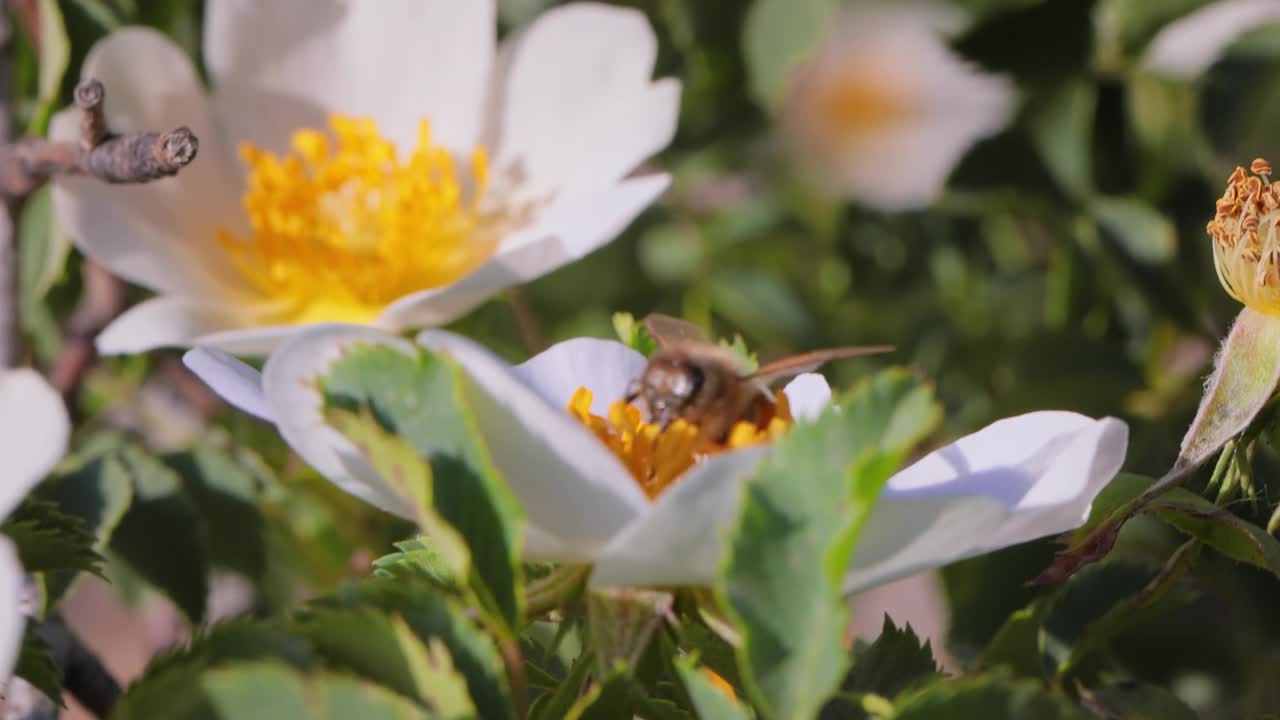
{"points": [[692, 378]]}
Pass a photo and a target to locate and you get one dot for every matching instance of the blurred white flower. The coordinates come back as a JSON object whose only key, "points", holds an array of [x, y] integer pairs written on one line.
{"points": [[884, 110], [1187, 47], [34, 430], [588, 501], [398, 167]]}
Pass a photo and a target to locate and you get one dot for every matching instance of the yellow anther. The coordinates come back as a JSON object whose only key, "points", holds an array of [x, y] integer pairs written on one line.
{"points": [[343, 226], [657, 457], [1246, 247]]}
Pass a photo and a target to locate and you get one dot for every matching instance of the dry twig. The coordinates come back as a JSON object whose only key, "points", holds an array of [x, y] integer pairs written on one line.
{"points": [[115, 158]]}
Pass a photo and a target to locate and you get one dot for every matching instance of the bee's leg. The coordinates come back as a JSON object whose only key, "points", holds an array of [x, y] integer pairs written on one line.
{"points": [[633, 391]]}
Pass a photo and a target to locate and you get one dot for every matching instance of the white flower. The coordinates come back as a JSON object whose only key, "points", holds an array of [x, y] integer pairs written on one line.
{"points": [[1015, 480], [34, 430], [1187, 47], [494, 165], [884, 110]]}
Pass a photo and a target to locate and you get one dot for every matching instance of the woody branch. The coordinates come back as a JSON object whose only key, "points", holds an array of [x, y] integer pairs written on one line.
{"points": [[112, 157]]}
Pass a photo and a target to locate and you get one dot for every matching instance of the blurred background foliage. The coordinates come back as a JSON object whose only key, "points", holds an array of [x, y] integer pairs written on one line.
{"points": [[1065, 266]]}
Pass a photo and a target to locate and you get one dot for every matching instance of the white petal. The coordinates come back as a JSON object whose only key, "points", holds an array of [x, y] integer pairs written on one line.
{"points": [[606, 367], [681, 540], [565, 234], [34, 430], [283, 65], [936, 106], [12, 622], [288, 379], [1186, 48], [237, 383], [160, 234], [579, 110], [572, 488], [906, 535], [250, 340], [165, 321], [807, 395], [1015, 480]]}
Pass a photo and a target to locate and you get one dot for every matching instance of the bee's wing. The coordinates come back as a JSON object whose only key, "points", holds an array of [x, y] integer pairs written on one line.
{"points": [[792, 365], [670, 331]]}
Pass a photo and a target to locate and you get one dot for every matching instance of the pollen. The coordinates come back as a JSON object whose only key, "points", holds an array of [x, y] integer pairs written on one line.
{"points": [[343, 225], [1246, 248], [657, 457]]}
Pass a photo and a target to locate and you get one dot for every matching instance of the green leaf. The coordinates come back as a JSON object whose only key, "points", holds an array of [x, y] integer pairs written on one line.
{"points": [[42, 257], [714, 652], [1017, 645], [1218, 528], [384, 649], [55, 54], [709, 700], [1093, 607], [435, 560], [557, 704], [1122, 489], [894, 662], [163, 512], [49, 540], [170, 677], [274, 689], [985, 698], [633, 334], [797, 530], [1145, 234], [1041, 44], [410, 596], [613, 697], [226, 494], [100, 12], [424, 400], [36, 666], [1062, 129], [977, 614], [778, 35], [448, 559], [1245, 376], [99, 491], [1137, 702]]}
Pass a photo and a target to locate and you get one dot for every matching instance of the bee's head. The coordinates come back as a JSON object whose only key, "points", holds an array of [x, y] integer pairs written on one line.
{"points": [[668, 385]]}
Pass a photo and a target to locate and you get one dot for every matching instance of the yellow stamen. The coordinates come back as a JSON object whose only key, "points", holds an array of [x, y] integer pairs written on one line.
{"points": [[1246, 246], [859, 102], [343, 226], [656, 456]]}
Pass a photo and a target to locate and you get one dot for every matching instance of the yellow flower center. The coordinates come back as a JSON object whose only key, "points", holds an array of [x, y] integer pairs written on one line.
{"points": [[857, 102], [344, 226], [1246, 247], [657, 456]]}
